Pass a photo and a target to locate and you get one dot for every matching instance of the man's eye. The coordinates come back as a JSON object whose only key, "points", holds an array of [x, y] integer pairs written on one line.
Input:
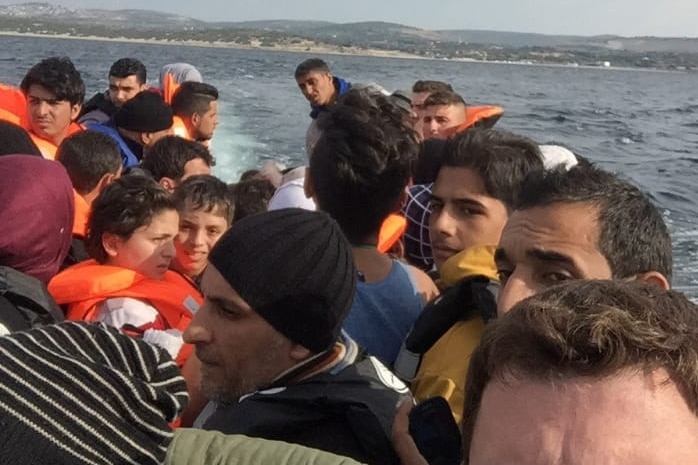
{"points": [[557, 277], [503, 276]]}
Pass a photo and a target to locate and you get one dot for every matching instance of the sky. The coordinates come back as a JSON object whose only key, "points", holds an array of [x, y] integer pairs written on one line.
{"points": [[664, 18]]}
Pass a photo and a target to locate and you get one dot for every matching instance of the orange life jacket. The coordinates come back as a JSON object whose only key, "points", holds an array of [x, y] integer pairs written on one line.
{"points": [[391, 231], [82, 214], [48, 148], [179, 129], [169, 87], [84, 286], [13, 105], [484, 116]]}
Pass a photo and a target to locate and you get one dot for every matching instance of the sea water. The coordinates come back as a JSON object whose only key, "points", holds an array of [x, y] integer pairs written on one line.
{"points": [[641, 124]]}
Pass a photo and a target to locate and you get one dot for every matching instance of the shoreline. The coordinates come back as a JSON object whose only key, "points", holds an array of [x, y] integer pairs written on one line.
{"points": [[309, 47]]}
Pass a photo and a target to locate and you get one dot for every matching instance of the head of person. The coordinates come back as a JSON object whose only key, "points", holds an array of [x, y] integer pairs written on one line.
{"points": [[92, 160], [481, 174], [133, 225], [37, 211], [251, 197], [205, 209], [15, 139], [55, 92], [145, 118], [581, 223], [443, 113], [196, 103], [423, 89], [180, 72], [362, 163], [277, 289], [586, 372], [173, 159], [315, 80], [420, 91], [127, 78]]}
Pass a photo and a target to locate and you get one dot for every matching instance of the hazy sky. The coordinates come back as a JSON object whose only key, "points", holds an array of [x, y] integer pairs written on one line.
{"points": [[584, 17]]}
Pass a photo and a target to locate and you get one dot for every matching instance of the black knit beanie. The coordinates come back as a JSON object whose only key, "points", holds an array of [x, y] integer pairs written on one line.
{"points": [[78, 393], [146, 112], [295, 269]]}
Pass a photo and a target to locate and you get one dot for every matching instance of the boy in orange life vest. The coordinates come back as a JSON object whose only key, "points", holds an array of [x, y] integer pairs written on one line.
{"points": [[54, 91], [92, 161], [127, 284], [205, 207]]}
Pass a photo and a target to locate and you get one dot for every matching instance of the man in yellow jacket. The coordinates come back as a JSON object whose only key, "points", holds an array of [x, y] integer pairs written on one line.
{"points": [[470, 202]]}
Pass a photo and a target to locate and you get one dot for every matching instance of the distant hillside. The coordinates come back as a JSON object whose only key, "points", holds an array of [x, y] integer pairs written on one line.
{"points": [[648, 52], [362, 33], [110, 18]]}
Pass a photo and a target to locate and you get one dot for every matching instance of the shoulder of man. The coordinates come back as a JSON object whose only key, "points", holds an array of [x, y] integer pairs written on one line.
{"points": [[25, 302]]}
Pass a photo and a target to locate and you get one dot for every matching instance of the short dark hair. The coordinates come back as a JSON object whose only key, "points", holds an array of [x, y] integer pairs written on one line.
{"points": [[15, 139], [431, 87], [502, 160], [167, 157], [193, 97], [632, 234], [590, 329], [249, 174], [127, 204], [442, 98], [87, 156], [207, 193], [309, 65], [362, 162], [251, 197], [59, 76], [125, 67]]}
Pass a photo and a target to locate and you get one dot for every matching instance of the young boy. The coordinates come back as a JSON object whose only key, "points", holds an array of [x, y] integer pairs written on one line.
{"points": [[475, 189], [127, 283], [205, 208]]}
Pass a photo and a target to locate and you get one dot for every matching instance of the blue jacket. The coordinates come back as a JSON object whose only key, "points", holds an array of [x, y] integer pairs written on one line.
{"points": [[128, 157], [342, 88]]}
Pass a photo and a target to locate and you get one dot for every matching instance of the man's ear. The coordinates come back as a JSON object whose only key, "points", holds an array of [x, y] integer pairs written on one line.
{"points": [[308, 188], [75, 111], [195, 119], [105, 180], [299, 352], [168, 183], [111, 243], [145, 138], [656, 278]]}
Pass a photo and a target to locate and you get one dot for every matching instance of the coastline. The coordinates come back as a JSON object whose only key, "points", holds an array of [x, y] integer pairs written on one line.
{"points": [[303, 47], [310, 47]]}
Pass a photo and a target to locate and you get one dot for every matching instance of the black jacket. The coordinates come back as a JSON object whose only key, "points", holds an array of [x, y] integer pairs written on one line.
{"points": [[349, 413]]}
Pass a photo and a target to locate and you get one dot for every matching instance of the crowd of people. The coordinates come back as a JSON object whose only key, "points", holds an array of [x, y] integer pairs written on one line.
{"points": [[423, 289]]}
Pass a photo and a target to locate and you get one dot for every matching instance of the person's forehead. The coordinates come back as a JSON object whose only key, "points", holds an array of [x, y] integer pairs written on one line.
{"points": [[40, 92], [206, 215], [441, 109], [315, 74], [457, 181], [577, 222], [130, 79], [618, 414]]}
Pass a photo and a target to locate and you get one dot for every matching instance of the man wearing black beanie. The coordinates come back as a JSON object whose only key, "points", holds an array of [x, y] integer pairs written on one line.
{"points": [[274, 363], [137, 125]]}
